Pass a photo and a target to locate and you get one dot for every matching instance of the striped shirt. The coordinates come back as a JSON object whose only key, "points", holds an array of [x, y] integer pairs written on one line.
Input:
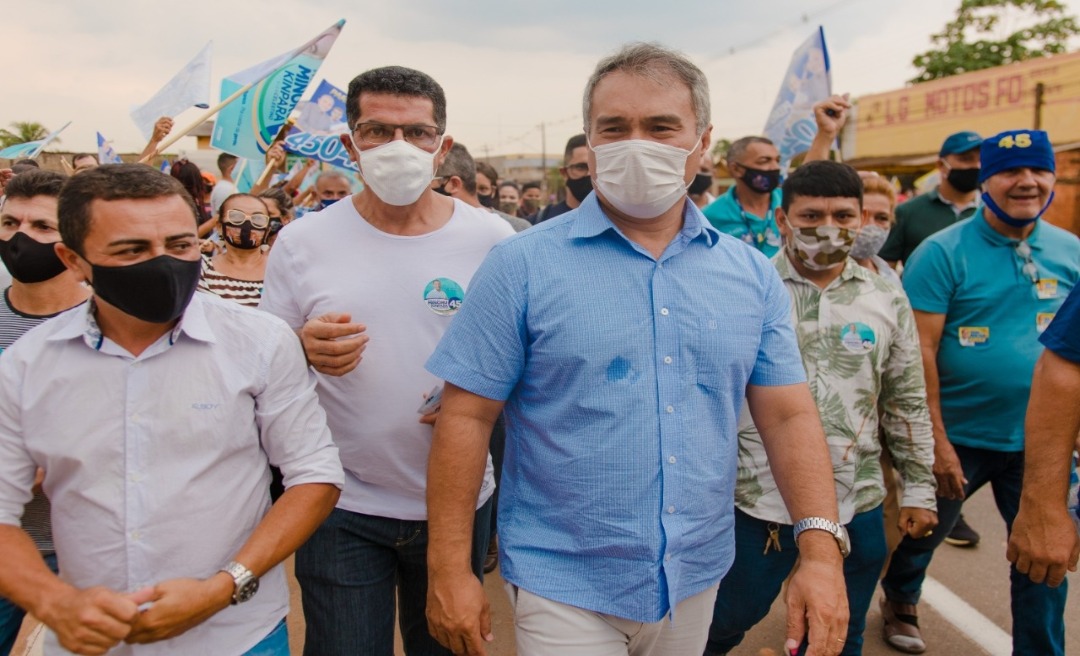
{"points": [[35, 520], [244, 292]]}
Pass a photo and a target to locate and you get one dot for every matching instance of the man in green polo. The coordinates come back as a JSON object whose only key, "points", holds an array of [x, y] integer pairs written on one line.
{"points": [[952, 200]]}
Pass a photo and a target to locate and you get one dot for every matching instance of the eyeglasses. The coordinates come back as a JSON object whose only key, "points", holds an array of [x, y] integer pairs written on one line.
{"points": [[581, 169], [258, 220], [373, 133], [1023, 249]]}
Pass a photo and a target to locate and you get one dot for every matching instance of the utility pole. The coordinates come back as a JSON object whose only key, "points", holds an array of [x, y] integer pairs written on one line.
{"points": [[1040, 91], [543, 159]]}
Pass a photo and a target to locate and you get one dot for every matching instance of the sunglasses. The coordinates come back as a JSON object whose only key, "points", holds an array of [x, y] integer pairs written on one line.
{"points": [[258, 220]]}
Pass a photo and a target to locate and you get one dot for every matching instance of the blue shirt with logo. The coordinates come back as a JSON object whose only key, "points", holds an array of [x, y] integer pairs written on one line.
{"points": [[994, 313], [623, 376], [727, 215]]}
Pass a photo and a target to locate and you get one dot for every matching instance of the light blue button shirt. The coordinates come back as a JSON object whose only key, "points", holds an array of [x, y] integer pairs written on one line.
{"points": [[623, 376]]}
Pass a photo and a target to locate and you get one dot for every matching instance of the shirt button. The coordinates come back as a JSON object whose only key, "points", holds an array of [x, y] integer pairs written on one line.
{"points": [[671, 510], [667, 557], [670, 409], [664, 311], [671, 460], [667, 359], [135, 535]]}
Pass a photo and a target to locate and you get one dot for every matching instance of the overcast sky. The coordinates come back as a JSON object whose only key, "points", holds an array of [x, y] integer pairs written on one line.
{"points": [[506, 65]]}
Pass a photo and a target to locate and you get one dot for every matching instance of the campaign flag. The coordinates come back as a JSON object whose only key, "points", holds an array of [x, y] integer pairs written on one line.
{"points": [[325, 148], [791, 124], [324, 113], [246, 173], [165, 166], [247, 126], [188, 88], [105, 152], [31, 149]]}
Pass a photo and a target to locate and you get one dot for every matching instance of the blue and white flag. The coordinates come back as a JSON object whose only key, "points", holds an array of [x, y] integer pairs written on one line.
{"points": [[166, 166], [105, 152], [791, 124], [188, 88], [247, 126], [31, 149]]}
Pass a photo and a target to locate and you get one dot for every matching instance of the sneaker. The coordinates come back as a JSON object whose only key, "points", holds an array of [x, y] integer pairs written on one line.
{"points": [[491, 561], [962, 535], [901, 627]]}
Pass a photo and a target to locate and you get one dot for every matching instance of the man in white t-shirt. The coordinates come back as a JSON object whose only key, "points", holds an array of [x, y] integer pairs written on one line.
{"points": [[365, 269], [225, 186]]}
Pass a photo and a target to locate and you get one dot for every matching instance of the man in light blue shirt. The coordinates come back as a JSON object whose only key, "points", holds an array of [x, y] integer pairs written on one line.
{"points": [[622, 339], [983, 290]]}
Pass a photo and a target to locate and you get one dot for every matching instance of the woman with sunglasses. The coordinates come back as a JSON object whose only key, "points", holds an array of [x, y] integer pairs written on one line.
{"points": [[237, 272]]}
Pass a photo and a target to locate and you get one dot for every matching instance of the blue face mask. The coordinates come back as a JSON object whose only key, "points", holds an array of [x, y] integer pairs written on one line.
{"points": [[1008, 220], [327, 202]]}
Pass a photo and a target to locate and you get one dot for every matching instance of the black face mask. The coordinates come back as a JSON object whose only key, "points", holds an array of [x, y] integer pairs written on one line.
{"points": [[580, 187], [442, 190], [701, 183], [156, 290], [28, 260], [487, 200], [760, 180], [964, 180], [246, 241]]}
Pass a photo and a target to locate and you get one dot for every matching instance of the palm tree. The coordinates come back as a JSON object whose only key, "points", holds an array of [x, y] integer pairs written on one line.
{"points": [[23, 132]]}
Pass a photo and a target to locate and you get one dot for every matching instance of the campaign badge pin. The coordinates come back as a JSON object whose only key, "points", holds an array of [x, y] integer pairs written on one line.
{"points": [[443, 296], [858, 337], [1046, 288], [1042, 320], [974, 335]]}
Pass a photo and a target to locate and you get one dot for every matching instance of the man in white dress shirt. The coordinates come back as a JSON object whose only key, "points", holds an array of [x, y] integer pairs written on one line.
{"points": [[154, 411]]}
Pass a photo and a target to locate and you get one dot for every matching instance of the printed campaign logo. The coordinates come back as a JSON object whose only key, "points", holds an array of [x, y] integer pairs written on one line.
{"points": [[858, 337], [974, 335], [443, 296]]}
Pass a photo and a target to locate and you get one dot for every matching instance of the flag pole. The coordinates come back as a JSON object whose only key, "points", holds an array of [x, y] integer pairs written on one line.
{"points": [[176, 136]]}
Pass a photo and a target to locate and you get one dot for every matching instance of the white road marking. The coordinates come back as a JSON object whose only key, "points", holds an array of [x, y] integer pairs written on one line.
{"points": [[973, 624]]}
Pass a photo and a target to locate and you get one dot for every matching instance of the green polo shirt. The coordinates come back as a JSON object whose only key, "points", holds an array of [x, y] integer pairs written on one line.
{"points": [[916, 220]]}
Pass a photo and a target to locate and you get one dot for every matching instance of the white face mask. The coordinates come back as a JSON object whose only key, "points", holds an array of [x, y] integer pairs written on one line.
{"points": [[397, 172], [641, 178]]}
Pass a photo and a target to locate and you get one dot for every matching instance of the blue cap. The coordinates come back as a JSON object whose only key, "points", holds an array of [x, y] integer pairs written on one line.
{"points": [[1016, 149], [961, 142]]}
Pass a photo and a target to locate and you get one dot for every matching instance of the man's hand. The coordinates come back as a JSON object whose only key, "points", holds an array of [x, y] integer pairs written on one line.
{"points": [[333, 344], [179, 605], [831, 114], [1043, 543], [5, 177], [458, 613], [162, 127], [817, 607], [917, 522], [948, 472], [276, 155], [94, 620]]}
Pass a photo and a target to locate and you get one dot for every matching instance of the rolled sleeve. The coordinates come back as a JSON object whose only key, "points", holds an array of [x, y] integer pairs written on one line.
{"points": [[17, 467], [292, 424], [778, 360], [483, 350]]}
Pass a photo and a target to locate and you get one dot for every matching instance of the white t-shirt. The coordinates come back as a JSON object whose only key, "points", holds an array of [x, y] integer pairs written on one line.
{"points": [[222, 190], [335, 261]]}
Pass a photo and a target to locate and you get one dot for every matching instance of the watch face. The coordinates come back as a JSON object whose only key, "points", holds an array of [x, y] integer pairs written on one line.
{"points": [[247, 590]]}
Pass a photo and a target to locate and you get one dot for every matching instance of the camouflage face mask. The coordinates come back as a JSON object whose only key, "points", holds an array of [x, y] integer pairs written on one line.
{"points": [[822, 247]]}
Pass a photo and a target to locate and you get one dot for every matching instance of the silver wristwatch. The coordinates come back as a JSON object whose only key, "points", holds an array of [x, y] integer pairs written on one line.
{"points": [[245, 584], [822, 524]]}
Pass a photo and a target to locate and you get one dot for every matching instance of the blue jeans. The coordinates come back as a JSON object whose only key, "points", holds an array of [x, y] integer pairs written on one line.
{"points": [[276, 643], [747, 592], [1037, 609], [11, 616], [351, 568]]}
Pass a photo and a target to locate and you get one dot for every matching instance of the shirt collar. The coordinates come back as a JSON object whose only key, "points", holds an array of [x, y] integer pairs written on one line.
{"points": [[983, 227], [83, 323], [590, 221], [787, 270]]}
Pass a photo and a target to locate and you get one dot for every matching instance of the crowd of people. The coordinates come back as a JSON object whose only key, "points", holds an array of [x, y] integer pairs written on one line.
{"points": [[647, 405]]}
